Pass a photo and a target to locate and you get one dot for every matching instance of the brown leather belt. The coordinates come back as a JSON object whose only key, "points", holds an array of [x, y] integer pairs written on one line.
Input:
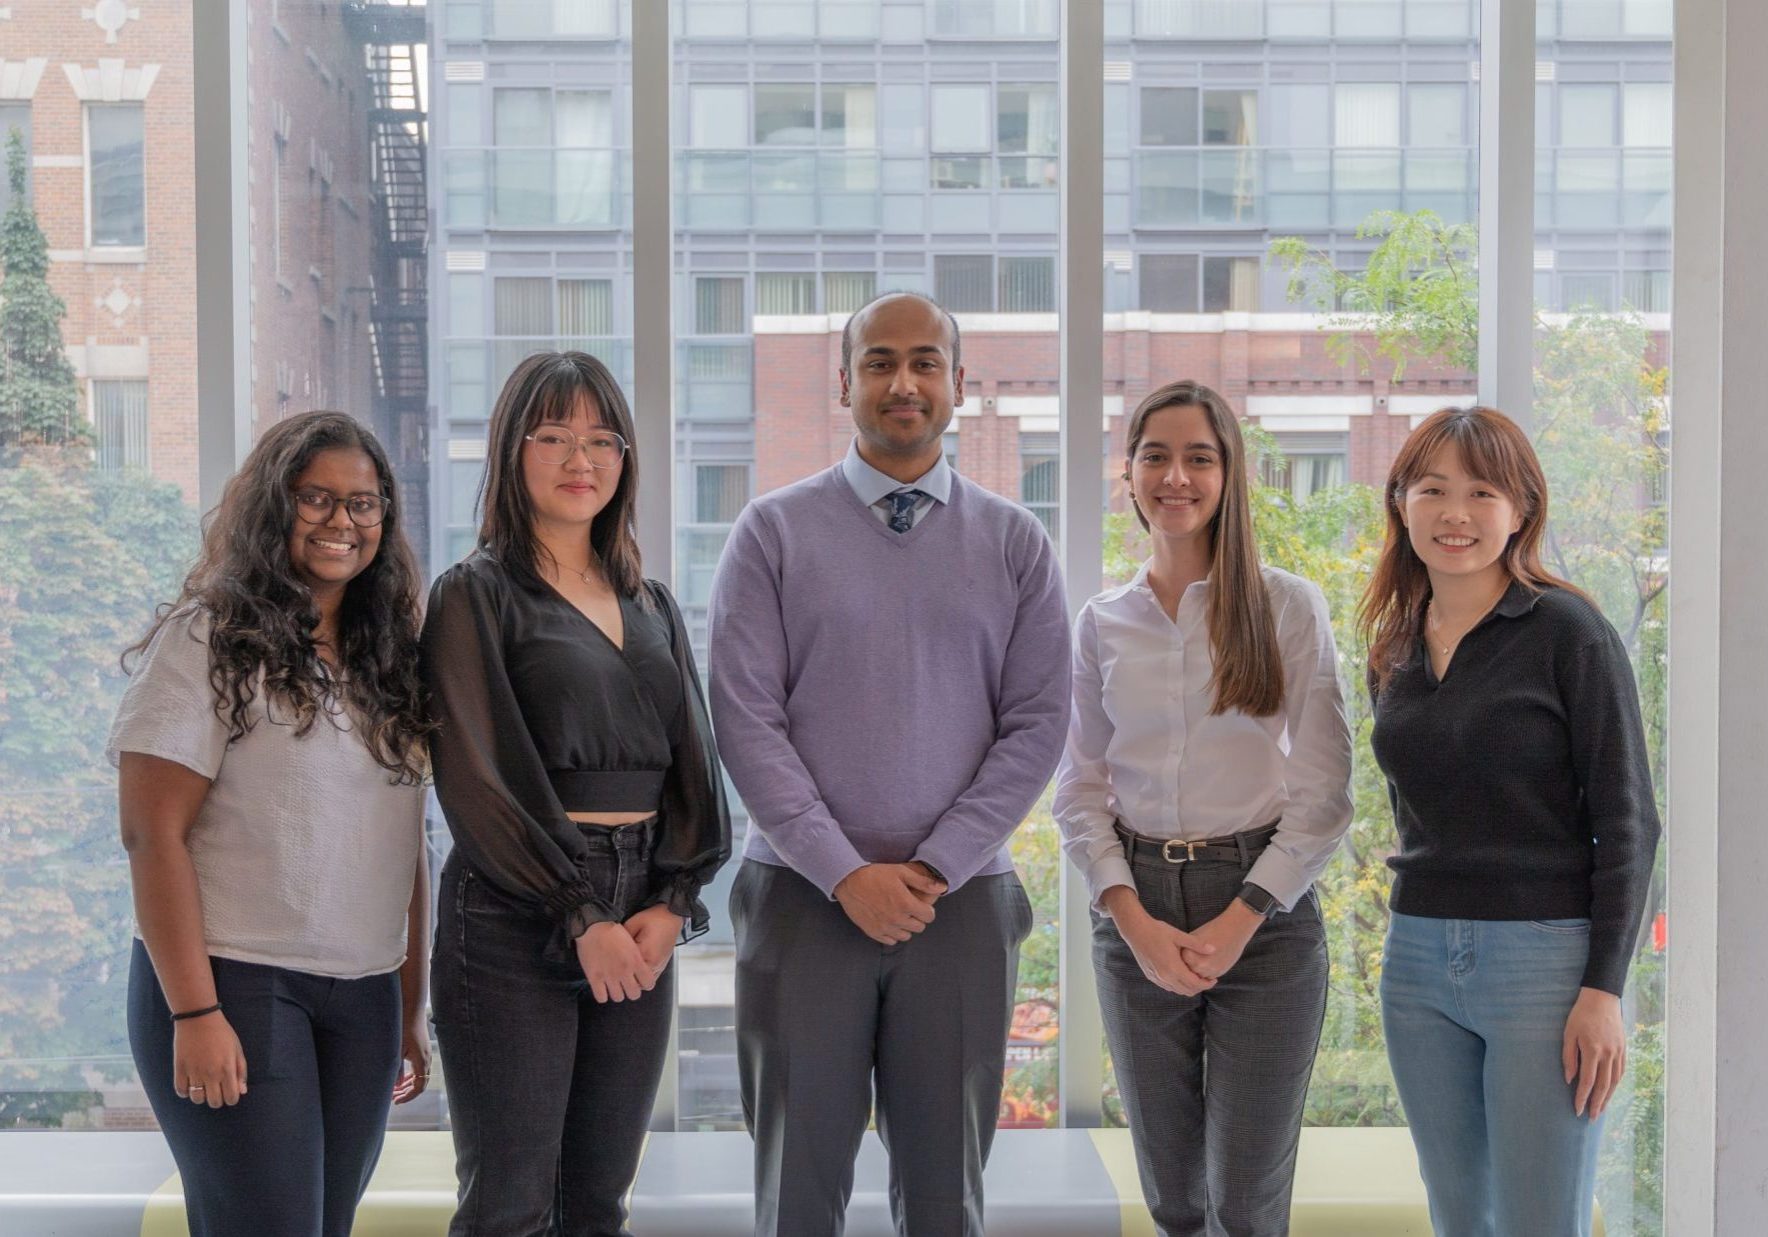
{"points": [[1234, 848]]}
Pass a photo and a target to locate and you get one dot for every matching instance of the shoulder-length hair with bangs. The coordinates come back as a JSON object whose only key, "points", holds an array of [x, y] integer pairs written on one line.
{"points": [[545, 388], [1248, 673], [1492, 448]]}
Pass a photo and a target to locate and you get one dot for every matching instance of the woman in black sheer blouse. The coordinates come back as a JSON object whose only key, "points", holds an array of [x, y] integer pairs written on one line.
{"points": [[575, 765]]}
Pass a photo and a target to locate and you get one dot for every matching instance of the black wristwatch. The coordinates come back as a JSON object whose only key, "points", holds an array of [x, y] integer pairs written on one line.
{"points": [[1259, 899]]}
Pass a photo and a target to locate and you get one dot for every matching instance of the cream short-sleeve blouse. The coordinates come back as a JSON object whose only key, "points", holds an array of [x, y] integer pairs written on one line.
{"points": [[305, 848]]}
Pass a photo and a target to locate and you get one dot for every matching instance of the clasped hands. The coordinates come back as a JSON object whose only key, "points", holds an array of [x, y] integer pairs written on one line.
{"points": [[622, 961], [890, 902], [1185, 963]]}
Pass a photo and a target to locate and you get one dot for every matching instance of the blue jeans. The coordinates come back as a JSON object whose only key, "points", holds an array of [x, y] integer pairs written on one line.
{"points": [[1474, 1012]]}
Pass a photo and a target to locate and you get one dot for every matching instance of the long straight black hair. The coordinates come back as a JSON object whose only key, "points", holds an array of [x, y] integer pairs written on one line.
{"points": [[546, 387]]}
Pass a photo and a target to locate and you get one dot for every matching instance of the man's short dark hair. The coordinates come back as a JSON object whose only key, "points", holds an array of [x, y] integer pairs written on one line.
{"points": [[951, 324]]}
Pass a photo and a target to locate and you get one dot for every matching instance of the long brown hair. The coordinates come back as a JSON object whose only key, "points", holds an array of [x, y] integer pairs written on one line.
{"points": [[1248, 673], [1492, 448], [262, 617], [545, 388]]}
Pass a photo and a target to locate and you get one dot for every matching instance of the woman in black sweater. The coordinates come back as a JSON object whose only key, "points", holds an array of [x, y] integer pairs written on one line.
{"points": [[1507, 723]]}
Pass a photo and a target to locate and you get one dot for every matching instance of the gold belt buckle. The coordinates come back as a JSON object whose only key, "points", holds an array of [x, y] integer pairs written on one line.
{"points": [[1166, 850]]}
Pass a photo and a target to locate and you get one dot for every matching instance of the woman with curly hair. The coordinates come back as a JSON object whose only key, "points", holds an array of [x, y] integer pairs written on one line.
{"points": [[270, 753], [574, 762]]}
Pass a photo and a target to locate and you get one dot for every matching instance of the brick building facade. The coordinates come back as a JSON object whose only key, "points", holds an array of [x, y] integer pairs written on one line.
{"points": [[117, 211]]}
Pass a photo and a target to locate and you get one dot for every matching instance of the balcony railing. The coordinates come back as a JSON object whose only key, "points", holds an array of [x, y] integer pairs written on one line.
{"points": [[1259, 188], [529, 187], [827, 190]]}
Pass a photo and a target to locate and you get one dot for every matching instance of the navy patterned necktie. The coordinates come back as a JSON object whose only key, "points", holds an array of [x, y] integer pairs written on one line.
{"points": [[902, 509]]}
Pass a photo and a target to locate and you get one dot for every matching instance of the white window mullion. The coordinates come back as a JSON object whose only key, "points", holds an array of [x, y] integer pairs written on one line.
{"points": [[223, 256], [653, 349], [1080, 1070], [1507, 206]]}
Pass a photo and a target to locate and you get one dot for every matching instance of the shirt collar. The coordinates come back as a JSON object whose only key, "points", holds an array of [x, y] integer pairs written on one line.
{"points": [[1517, 601], [872, 485]]}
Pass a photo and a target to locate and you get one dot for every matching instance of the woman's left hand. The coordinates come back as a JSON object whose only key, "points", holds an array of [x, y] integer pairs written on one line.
{"points": [[1595, 1050], [655, 929], [414, 1051]]}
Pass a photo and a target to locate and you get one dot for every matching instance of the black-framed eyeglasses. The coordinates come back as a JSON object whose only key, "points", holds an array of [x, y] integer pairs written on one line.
{"points": [[604, 448], [364, 510]]}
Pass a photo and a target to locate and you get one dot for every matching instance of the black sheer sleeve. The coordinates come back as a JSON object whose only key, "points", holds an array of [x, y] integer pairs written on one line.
{"points": [[493, 786], [694, 822]]}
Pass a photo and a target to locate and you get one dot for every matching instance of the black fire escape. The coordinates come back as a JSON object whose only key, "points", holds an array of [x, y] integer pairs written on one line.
{"points": [[390, 35]]}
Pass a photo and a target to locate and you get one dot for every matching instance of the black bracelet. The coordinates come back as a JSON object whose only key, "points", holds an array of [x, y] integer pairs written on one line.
{"points": [[197, 1013]]}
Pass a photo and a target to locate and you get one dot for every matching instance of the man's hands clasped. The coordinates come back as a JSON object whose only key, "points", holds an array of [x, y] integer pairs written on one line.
{"points": [[890, 902]]}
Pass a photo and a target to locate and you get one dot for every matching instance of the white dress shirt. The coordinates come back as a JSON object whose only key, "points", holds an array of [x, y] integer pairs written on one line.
{"points": [[1143, 748], [873, 487]]}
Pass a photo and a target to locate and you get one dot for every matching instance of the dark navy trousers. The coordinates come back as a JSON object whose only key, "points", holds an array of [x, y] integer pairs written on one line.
{"points": [[293, 1157]]}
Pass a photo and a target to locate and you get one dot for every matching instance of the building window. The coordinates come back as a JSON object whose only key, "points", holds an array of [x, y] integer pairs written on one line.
{"points": [[964, 283], [785, 294], [718, 305], [1230, 118], [1645, 114], [14, 116], [119, 424], [1027, 123], [115, 192], [1436, 114], [1588, 292], [522, 307], [949, 446], [850, 117], [1169, 116], [1230, 284], [785, 116], [844, 292], [1366, 114], [994, 18], [1027, 285], [720, 490], [1587, 115], [960, 118], [1646, 292], [1040, 477], [586, 309], [1307, 463], [718, 117], [1169, 283]]}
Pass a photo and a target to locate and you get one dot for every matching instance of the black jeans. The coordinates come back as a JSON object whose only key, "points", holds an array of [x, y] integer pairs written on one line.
{"points": [[550, 1092], [293, 1157]]}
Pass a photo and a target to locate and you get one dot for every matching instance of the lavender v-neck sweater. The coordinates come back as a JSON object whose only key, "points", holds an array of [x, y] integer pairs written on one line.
{"points": [[880, 696]]}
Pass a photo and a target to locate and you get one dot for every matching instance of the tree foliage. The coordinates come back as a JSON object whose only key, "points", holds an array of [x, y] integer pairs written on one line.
{"points": [[83, 558], [39, 399]]}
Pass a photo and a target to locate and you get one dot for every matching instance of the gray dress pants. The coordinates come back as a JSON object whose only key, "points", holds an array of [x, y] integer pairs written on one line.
{"points": [[826, 1017], [1213, 1085]]}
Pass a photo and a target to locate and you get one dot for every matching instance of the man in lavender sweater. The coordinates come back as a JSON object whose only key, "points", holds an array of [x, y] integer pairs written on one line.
{"points": [[888, 658]]}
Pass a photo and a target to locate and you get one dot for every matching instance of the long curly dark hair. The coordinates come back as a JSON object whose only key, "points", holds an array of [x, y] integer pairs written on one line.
{"points": [[263, 618]]}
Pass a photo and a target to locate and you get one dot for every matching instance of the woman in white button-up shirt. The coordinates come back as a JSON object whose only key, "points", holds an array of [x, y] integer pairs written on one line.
{"points": [[1205, 784]]}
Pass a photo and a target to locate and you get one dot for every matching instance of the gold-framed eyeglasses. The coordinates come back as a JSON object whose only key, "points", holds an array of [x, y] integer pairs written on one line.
{"points": [[364, 510], [604, 448]]}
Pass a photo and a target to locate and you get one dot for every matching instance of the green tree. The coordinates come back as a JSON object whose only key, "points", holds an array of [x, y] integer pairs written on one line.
{"points": [[39, 399], [83, 558]]}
